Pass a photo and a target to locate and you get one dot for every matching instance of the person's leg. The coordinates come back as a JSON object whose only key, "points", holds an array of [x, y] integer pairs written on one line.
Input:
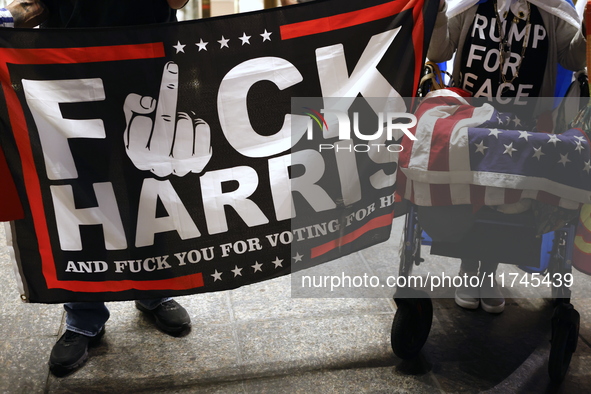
{"points": [[85, 323], [86, 318], [491, 297], [469, 266], [169, 316], [152, 303], [467, 295]]}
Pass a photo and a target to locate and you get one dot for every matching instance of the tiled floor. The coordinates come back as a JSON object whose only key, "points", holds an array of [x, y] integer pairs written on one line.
{"points": [[260, 339]]}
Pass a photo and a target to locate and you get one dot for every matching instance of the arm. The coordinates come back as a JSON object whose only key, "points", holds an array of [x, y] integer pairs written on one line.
{"points": [[27, 13], [176, 4], [446, 33], [571, 45]]}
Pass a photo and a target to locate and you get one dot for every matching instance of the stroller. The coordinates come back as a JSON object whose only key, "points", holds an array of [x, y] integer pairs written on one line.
{"points": [[414, 315]]}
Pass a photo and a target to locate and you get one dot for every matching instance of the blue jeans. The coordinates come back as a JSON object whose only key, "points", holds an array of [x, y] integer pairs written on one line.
{"points": [[88, 318]]}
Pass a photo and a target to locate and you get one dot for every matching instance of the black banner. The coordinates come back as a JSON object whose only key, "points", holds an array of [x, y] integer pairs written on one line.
{"points": [[176, 159]]}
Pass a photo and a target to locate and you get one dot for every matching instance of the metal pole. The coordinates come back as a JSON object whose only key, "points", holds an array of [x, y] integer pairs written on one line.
{"points": [[270, 4], [206, 8]]}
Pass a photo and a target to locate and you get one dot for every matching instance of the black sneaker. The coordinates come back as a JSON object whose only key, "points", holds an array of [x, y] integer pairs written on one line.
{"points": [[170, 317], [70, 352]]}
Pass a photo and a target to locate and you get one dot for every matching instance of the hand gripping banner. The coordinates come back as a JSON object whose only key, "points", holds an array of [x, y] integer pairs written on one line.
{"points": [[170, 159]]}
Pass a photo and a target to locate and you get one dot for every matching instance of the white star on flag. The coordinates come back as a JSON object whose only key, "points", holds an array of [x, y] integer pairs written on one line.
{"points": [[587, 166], [245, 39], [580, 138], [277, 262], [257, 266], [509, 149], [579, 147], [503, 119], [524, 135], [495, 132], [517, 121], [553, 138], [538, 153], [266, 35], [480, 147], [224, 42], [179, 47], [298, 257], [217, 276], [564, 159], [237, 271], [202, 45]]}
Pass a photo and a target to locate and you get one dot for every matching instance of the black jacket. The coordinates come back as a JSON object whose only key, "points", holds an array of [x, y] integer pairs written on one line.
{"points": [[102, 13]]}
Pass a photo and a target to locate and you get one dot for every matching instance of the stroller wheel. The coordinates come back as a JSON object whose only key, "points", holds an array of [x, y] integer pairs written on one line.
{"points": [[411, 326], [565, 332]]}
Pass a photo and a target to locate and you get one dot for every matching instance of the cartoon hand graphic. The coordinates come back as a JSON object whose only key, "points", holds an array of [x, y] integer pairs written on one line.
{"points": [[168, 142]]}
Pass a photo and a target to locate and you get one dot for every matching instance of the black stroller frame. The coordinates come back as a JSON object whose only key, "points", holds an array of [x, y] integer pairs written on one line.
{"points": [[414, 314]]}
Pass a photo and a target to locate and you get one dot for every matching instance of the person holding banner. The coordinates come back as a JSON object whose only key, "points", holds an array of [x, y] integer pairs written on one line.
{"points": [[503, 49], [85, 321]]}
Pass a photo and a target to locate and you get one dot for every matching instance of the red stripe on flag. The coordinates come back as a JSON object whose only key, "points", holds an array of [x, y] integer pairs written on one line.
{"points": [[548, 198], [348, 19], [442, 123], [440, 195], [477, 194], [512, 195], [380, 221], [439, 153]]}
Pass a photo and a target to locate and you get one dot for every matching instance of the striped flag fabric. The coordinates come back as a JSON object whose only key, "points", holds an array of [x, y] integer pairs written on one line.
{"points": [[468, 154]]}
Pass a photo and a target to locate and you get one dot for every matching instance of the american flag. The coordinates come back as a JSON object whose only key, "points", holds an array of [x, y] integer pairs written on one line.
{"points": [[467, 154]]}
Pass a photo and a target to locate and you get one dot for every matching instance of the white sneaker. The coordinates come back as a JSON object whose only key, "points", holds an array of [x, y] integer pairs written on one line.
{"points": [[467, 296], [492, 300]]}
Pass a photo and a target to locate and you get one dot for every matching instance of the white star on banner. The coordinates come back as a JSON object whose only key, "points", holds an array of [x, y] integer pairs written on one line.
{"points": [[580, 138], [553, 138], [266, 35], [579, 147], [224, 42], [179, 47], [524, 134], [298, 257], [538, 153], [509, 149], [257, 266], [237, 271], [245, 39], [587, 166], [202, 45], [277, 262], [217, 276], [495, 132], [480, 147], [564, 159]]}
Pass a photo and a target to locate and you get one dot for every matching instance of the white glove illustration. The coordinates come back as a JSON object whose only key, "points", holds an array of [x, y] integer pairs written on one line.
{"points": [[168, 142]]}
